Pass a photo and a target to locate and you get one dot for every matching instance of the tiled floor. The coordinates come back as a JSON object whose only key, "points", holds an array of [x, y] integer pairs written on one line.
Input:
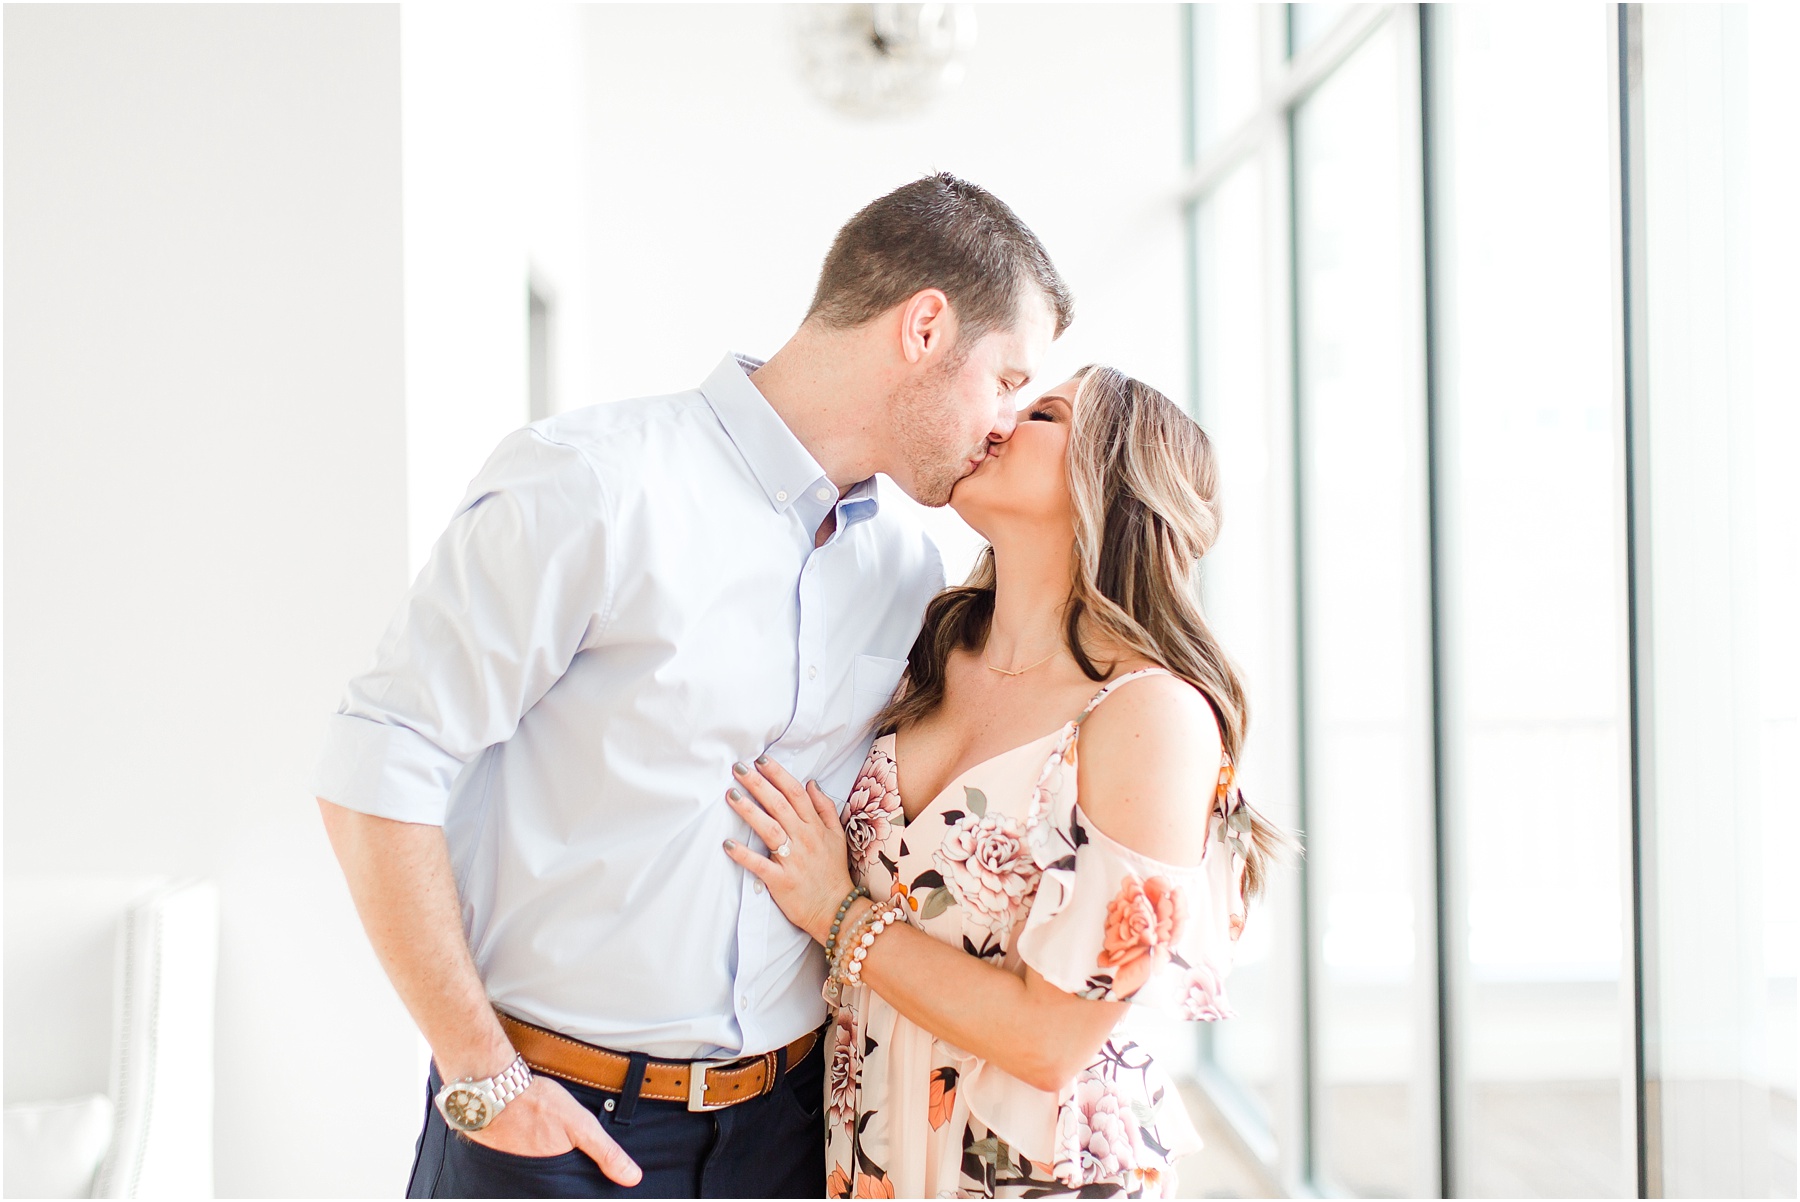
{"points": [[1540, 1140], [1781, 1145], [1551, 1140], [1221, 1169], [1545, 1140]]}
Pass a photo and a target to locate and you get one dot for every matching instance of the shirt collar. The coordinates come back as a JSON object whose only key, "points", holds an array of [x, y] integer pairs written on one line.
{"points": [[860, 502], [781, 464]]}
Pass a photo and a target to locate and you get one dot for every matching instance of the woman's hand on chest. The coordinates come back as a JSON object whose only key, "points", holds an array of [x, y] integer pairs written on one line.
{"points": [[807, 871]]}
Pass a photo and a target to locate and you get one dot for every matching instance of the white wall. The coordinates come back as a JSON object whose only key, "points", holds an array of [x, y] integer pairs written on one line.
{"points": [[718, 181], [205, 515], [492, 119]]}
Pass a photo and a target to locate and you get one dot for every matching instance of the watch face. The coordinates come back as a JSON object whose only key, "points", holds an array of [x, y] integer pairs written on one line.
{"points": [[467, 1109]]}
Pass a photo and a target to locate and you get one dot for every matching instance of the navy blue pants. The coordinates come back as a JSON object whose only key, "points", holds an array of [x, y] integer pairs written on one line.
{"points": [[772, 1147]]}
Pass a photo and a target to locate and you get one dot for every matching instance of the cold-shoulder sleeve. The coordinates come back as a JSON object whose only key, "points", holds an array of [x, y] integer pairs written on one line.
{"points": [[1112, 924]]}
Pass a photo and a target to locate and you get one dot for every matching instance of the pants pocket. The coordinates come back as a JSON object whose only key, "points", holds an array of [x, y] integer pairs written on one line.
{"points": [[474, 1170], [804, 1089]]}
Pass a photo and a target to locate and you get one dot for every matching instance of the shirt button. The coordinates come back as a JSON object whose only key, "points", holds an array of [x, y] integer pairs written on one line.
{"points": [[757, 887], [812, 672], [824, 494], [780, 495], [744, 1001]]}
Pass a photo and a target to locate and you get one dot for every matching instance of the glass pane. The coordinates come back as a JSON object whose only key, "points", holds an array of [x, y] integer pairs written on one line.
{"points": [[1776, 314], [1723, 1109], [1366, 632], [1535, 726], [1307, 23], [1227, 70], [1244, 580]]}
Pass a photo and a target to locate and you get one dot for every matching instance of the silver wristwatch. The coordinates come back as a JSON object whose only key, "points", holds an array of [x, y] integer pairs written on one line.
{"points": [[470, 1105]]}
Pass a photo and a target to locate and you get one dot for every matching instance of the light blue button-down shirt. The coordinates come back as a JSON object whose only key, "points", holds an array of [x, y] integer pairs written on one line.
{"points": [[627, 601]]}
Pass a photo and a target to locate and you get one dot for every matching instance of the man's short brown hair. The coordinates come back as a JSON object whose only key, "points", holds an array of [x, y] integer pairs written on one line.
{"points": [[938, 232]]}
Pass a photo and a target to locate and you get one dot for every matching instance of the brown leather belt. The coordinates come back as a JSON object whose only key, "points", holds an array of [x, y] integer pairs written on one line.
{"points": [[702, 1084]]}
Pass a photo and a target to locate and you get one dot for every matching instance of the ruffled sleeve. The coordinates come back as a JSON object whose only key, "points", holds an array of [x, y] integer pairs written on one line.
{"points": [[1112, 924]]}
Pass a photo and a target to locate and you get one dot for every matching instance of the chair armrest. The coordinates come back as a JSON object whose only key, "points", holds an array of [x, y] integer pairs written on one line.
{"points": [[162, 1055]]}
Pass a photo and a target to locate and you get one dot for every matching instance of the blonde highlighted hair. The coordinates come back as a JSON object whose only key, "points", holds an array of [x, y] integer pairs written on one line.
{"points": [[1144, 484]]}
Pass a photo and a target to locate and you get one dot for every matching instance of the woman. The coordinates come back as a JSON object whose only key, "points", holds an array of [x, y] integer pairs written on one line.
{"points": [[981, 1044]]}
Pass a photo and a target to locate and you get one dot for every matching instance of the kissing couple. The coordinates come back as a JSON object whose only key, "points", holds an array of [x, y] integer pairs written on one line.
{"points": [[719, 850]]}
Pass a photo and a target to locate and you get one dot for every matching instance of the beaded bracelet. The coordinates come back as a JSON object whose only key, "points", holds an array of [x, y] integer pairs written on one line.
{"points": [[878, 922], [843, 909], [833, 989], [834, 966]]}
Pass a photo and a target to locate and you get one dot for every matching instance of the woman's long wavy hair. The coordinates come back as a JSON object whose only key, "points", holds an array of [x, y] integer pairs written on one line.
{"points": [[1144, 483]]}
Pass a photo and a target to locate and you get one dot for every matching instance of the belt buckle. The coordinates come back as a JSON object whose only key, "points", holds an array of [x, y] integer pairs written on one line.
{"points": [[696, 1101]]}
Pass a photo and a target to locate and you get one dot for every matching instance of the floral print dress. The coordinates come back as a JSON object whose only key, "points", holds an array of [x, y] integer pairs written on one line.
{"points": [[1004, 865]]}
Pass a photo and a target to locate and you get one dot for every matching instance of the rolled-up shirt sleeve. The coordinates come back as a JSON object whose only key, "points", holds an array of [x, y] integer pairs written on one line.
{"points": [[513, 590]]}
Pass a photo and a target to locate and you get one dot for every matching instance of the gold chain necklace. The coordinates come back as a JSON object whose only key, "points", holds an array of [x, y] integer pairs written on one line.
{"points": [[1020, 671]]}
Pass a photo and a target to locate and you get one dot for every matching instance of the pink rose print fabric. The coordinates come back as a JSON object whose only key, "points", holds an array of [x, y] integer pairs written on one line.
{"points": [[1004, 865], [873, 811], [987, 868], [1097, 1137], [843, 1071]]}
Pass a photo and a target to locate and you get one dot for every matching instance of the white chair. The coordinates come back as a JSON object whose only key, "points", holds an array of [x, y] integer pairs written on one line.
{"points": [[109, 1036]]}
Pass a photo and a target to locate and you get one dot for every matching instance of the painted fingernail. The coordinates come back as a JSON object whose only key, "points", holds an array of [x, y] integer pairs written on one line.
{"points": [[740, 769], [731, 845], [761, 760], [735, 793]]}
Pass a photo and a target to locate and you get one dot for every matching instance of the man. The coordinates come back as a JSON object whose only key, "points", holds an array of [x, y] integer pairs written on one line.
{"points": [[527, 790]]}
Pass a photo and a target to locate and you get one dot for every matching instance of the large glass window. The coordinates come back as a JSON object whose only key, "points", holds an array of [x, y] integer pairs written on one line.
{"points": [[1712, 1100], [1506, 533], [1533, 654], [1227, 70], [1364, 595], [1245, 583]]}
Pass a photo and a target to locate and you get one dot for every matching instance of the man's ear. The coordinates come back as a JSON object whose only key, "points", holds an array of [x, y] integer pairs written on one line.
{"points": [[927, 325]]}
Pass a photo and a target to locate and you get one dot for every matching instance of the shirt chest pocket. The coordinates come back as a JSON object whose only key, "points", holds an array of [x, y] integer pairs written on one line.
{"points": [[872, 682]]}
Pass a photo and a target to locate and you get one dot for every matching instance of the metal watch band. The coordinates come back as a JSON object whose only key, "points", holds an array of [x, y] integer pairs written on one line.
{"points": [[510, 1081]]}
